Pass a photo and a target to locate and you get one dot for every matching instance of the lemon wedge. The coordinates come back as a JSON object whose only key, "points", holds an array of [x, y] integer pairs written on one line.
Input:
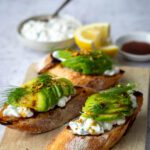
{"points": [[111, 50], [92, 36]]}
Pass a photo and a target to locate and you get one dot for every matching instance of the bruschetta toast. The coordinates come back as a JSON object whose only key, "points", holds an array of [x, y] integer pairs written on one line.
{"points": [[98, 79], [97, 135], [34, 106]]}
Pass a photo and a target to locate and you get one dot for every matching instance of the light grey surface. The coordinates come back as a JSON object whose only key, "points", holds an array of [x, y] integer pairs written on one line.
{"points": [[124, 15]]}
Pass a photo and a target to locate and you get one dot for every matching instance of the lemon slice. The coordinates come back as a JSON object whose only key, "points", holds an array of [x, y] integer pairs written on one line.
{"points": [[92, 36], [111, 50]]}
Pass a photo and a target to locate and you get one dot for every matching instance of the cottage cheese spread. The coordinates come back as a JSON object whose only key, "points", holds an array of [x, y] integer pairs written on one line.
{"points": [[24, 112], [85, 126], [62, 101], [56, 29], [133, 100], [112, 72], [13, 111]]}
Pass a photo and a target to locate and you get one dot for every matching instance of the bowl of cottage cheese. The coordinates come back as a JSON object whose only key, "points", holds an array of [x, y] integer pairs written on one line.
{"points": [[44, 33]]}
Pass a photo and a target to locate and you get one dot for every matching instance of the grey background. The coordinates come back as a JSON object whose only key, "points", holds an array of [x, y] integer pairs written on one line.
{"points": [[124, 15]]}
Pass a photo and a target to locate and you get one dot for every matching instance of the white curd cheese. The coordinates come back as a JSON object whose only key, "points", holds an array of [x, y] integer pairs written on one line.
{"points": [[107, 125], [62, 101], [24, 112], [56, 29], [85, 126], [133, 100], [92, 127], [120, 121], [112, 72], [13, 111]]}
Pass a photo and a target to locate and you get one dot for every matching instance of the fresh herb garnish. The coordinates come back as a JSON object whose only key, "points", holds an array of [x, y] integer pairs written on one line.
{"points": [[45, 78], [15, 94]]}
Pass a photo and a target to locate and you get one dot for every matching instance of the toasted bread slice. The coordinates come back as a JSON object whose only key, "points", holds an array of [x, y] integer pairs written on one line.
{"points": [[43, 122], [66, 140], [98, 82]]}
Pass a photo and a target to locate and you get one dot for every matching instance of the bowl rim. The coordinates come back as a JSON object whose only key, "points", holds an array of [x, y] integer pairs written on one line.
{"points": [[120, 41], [135, 55], [19, 27], [139, 33]]}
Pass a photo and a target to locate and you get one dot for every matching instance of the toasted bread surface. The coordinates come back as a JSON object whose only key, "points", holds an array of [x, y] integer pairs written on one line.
{"points": [[98, 82], [66, 140], [43, 122]]}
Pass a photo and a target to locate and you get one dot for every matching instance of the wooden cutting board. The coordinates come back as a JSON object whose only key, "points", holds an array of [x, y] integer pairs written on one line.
{"points": [[135, 139]]}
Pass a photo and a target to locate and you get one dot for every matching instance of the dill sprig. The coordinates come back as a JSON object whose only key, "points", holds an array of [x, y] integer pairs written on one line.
{"points": [[44, 78], [15, 94]]}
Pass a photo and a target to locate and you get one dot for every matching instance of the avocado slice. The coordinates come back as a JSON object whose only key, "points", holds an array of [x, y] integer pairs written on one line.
{"points": [[109, 105], [41, 93], [53, 100], [41, 103], [37, 101], [117, 110], [67, 86], [62, 54], [58, 89], [55, 92], [107, 117], [50, 97]]}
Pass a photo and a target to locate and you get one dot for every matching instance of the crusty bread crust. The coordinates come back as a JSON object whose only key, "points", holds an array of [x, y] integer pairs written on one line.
{"points": [[98, 82], [43, 122], [68, 141], [93, 81]]}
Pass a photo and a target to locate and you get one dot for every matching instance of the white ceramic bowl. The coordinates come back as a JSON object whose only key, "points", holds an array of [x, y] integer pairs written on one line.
{"points": [[136, 36], [46, 46]]}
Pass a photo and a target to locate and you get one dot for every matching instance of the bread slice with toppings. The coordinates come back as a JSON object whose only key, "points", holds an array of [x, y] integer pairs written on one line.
{"points": [[46, 121], [66, 140], [42, 104], [98, 82]]}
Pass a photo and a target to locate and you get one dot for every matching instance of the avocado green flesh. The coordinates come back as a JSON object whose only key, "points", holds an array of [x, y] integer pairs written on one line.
{"points": [[36, 101], [52, 98], [41, 103], [67, 86], [39, 95], [63, 54], [94, 62], [49, 99], [117, 110], [107, 117], [109, 105], [58, 90]]}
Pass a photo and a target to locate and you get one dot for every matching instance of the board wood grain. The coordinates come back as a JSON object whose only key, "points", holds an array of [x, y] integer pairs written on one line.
{"points": [[135, 139]]}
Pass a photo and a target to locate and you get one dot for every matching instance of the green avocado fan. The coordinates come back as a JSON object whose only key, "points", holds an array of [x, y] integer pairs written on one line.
{"points": [[114, 103], [93, 63], [41, 93]]}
